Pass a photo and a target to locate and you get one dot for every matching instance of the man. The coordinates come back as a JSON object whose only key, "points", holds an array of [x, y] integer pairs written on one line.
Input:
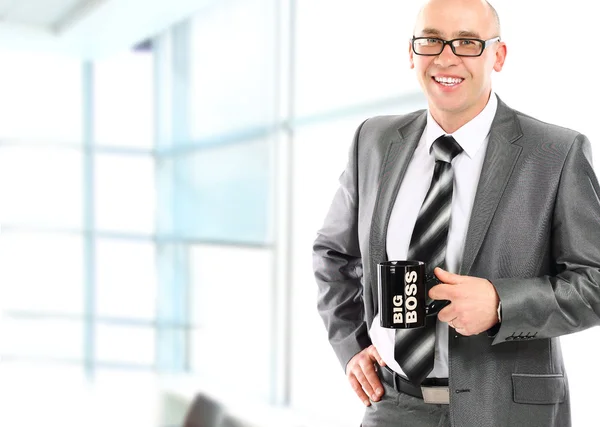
{"points": [[521, 246]]}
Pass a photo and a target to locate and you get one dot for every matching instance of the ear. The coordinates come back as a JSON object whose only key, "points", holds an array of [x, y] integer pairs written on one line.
{"points": [[411, 56], [500, 57]]}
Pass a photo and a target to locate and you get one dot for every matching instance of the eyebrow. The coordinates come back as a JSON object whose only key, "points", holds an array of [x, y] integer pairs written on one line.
{"points": [[473, 34], [462, 33], [431, 32]]}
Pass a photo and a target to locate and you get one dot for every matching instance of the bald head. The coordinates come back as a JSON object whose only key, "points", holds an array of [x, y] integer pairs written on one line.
{"points": [[495, 17], [481, 7], [453, 103]]}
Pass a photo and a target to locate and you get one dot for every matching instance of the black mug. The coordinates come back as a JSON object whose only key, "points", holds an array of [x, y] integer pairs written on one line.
{"points": [[403, 287]]}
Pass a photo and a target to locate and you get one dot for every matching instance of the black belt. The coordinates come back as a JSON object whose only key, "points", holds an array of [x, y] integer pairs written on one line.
{"points": [[402, 385]]}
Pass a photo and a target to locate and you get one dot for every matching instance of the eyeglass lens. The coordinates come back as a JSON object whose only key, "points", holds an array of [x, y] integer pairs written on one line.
{"points": [[432, 46]]}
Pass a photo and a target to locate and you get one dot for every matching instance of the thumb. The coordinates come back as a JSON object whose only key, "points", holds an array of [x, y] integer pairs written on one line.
{"points": [[446, 277]]}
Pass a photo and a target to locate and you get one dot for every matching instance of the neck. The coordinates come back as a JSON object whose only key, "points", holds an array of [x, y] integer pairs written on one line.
{"points": [[451, 121]]}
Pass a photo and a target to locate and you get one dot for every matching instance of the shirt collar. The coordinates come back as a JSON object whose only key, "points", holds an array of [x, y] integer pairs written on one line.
{"points": [[472, 134]]}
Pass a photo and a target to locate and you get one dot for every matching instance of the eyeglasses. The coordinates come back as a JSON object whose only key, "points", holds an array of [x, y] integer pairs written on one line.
{"points": [[433, 46]]}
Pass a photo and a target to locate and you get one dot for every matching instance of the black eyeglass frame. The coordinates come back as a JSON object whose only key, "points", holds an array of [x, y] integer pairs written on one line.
{"points": [[484, 45]]}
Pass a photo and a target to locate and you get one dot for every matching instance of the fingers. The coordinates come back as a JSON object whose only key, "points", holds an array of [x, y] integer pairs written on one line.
{"points": [[375, 355], [356, 386], [474, 302], [446, 277], [442, 291], [363, 377], [455, 319], [460, 323], [447, 314], [369, 381], [446, 289]]}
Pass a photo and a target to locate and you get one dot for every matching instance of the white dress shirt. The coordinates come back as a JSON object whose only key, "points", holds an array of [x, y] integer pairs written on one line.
{"points": [[473, 138]]}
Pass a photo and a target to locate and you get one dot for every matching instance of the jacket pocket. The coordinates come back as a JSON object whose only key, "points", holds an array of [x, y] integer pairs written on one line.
{"points": [[539, 389]]}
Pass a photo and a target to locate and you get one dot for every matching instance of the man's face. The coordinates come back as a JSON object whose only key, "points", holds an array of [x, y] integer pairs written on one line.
{"points": [[457, 85]]}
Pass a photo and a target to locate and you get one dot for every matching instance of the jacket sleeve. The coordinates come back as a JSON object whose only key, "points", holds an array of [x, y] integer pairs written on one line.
{"points": [[338, 267], [569, 301]]}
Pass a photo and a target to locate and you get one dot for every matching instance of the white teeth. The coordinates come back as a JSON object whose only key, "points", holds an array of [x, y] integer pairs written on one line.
{"points": [[448, 81]]}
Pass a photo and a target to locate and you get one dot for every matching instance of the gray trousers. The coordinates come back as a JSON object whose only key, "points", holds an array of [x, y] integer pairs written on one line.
{"points": [[399, 410]]}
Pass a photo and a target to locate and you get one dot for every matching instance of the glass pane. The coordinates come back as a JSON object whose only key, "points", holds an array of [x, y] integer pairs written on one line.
{"points": [[224, 193], [126, 279], [363, 61], [41, 186], [127, 398], [315, 182], [41, 272], [63, 397], [41, 97], [124, 100], [125, 193], [125, 344], [231, 303], [59, 392], [57, 375], [233, 67], [50, 338]]}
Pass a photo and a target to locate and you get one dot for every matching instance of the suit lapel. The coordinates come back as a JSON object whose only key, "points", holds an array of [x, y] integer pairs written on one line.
{"points": [[500, 159], [395, 163]]}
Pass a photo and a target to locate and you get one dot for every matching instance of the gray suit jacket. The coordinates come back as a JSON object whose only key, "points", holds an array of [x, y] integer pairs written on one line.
{"points": [[534, 232]]}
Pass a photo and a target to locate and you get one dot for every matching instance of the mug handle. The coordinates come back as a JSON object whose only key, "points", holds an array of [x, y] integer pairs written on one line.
{"points": [[435, 305]]}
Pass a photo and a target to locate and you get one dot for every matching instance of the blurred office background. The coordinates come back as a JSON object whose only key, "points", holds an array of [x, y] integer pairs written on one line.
{"points": [[164, 167]]}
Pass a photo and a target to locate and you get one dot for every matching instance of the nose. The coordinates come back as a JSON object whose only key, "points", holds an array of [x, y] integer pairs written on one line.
{"points": [[447, 57]]}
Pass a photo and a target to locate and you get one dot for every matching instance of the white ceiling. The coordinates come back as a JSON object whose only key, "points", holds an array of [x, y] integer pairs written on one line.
{"points": [[47, 14], [88, 28]]}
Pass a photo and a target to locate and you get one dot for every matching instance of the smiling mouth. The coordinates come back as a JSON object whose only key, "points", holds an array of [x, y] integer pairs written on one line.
{"points": [[448, 81]]}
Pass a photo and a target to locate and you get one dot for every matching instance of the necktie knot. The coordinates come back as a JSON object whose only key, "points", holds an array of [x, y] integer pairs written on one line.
{"points": [[445, 148]]}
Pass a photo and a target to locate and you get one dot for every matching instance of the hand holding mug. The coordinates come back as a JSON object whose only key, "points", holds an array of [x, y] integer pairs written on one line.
{"points": [[474, 302]]}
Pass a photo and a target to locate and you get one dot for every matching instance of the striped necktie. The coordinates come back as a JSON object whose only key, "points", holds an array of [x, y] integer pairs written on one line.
{"points": [[414, 349]]}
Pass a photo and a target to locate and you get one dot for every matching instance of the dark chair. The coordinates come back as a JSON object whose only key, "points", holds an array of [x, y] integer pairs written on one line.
{"points": [[204, 412], [230, 421]]}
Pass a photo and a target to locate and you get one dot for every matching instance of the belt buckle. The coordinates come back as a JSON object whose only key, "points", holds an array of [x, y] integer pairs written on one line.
{"points": [[439, 395]]}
